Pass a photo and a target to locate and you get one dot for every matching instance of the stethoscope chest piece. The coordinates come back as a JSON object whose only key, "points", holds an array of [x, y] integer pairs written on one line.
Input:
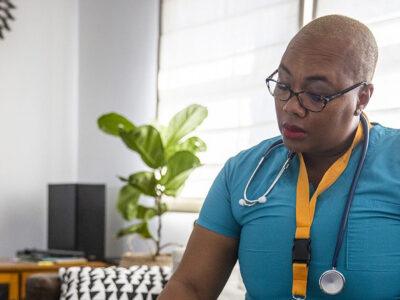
{"points": [[331, 282]]}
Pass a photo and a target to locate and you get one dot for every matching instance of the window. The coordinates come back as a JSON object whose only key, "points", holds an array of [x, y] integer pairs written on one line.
{"points": [[383, 18], [218, 52]]}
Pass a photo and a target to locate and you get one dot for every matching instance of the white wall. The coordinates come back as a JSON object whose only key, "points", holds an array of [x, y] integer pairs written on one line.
{"points": [[38, 124], [64, 64], [117, 72]]}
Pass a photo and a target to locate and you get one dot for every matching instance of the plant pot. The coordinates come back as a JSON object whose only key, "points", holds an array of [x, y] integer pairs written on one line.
{"points": [[132, 259]]}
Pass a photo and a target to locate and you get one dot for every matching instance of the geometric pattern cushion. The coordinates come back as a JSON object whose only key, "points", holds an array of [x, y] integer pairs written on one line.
{"points": [[113, 283]]}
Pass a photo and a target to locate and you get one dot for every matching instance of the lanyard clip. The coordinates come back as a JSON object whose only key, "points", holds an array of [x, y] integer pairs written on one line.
{"points": [[301, 252]]}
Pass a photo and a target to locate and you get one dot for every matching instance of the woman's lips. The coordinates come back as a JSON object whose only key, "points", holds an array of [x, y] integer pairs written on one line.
{"points": [[293, 131]]}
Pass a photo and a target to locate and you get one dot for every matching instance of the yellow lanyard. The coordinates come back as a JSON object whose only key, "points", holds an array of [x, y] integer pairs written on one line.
{"points": [[305, 210]]}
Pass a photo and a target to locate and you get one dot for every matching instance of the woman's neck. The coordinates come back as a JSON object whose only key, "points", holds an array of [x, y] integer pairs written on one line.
{"points": [[319, 162]]}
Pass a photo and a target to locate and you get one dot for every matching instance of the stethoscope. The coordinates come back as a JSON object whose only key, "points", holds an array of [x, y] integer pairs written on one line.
{"points": [[331, 281]]}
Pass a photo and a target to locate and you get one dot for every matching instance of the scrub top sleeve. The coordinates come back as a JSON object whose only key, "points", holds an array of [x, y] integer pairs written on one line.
{"points": [[216, 213]]}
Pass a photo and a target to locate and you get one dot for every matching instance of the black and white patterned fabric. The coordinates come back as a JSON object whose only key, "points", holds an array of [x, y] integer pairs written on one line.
{"points": [[113, 283]]}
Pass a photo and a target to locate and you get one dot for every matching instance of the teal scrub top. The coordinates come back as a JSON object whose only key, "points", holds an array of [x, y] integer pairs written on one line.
{"points": [[370, 255]]}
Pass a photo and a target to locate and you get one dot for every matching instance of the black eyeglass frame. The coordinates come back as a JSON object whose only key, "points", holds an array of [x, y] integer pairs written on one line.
{"points": [[324, 99]]}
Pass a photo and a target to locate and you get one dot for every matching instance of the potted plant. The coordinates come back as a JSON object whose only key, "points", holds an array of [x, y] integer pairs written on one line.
{"points": [[170, 155]]}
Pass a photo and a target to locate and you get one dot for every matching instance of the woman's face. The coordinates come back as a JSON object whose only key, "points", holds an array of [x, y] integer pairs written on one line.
{"points": [[319, 70]]}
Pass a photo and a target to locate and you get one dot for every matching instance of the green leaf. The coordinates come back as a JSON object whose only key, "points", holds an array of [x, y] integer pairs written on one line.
{"points": [[146, 141], [179, 167], [184, 122], [145, 182], [123, 178], [180, 162], [145, 212], [162, 130], [113, 123], [140, 229], [128, 198], [174, 187], [193, 144]]}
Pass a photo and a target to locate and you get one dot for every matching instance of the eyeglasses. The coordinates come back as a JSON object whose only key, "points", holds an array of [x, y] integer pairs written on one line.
{"points": [[308, 101]]}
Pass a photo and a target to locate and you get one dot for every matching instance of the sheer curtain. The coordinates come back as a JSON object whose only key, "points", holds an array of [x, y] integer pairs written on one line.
{"points": [[383, 18], [218, 53]]}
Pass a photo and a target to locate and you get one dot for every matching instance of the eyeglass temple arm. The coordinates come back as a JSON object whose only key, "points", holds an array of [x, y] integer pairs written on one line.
{"points": [[270, 76], [331, 97]]}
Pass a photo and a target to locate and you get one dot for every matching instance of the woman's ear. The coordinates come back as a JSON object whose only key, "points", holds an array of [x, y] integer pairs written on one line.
{"points": [[363, 98]]}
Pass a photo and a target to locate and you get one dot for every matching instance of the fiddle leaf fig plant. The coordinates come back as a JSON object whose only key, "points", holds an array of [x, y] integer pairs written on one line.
{"points": [[171, 156]]}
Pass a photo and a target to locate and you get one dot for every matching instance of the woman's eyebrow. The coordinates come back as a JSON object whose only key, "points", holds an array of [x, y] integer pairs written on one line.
{"points": [[321, 78], [308, 79], [317, 78]]}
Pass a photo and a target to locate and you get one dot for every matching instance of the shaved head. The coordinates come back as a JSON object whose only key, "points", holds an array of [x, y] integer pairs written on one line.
{"points": [[347, 37], [329, 55]]}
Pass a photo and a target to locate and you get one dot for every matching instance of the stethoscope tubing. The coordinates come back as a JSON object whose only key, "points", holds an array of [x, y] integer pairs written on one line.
{"points": [[346, 211], [275, 145], [271, 148]]}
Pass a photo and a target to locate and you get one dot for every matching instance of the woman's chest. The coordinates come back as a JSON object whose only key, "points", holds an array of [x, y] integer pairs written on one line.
{"points": [[370, 255]]}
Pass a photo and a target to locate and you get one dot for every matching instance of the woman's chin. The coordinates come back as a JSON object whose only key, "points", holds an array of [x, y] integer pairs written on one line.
{"points": [[297, 146]]}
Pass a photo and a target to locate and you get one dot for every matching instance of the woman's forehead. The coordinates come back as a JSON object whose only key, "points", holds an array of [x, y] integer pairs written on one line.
{"points": [[319, 59]]}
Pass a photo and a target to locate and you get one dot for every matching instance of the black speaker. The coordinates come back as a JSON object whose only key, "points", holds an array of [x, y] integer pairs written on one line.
{"points": [[76, 218], [3, 291]]}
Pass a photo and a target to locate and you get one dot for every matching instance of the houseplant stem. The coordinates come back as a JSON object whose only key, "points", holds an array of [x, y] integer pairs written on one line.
{"points": [[159, 212]]}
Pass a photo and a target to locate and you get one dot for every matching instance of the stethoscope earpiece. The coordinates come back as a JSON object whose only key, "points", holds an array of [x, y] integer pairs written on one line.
{"points": [[263, 199], [246, 202]]}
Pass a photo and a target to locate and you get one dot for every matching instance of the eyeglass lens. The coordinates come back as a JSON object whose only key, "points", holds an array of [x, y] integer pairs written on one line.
{"points": [[309, 101]]}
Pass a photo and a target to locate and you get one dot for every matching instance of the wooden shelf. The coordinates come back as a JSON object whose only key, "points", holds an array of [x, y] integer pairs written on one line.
{"points": [[14, 274]]}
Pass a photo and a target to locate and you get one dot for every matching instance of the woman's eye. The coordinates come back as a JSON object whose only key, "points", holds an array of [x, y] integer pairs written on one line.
{"points": [[282, 87], [315, 98]]}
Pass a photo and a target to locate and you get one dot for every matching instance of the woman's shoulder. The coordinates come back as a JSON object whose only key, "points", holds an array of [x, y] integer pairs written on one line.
{"points": [[385, 137], [384, 145]]}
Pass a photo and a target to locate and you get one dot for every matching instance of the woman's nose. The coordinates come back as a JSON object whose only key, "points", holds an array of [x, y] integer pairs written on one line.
{"points": [[294, 107]]}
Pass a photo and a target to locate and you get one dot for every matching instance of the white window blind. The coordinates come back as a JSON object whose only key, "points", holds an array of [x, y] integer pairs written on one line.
{"points": [[383, 18], [218, 53]]}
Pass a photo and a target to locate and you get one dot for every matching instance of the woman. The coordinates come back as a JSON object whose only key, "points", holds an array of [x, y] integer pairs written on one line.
{"points": [[286, 241]]}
